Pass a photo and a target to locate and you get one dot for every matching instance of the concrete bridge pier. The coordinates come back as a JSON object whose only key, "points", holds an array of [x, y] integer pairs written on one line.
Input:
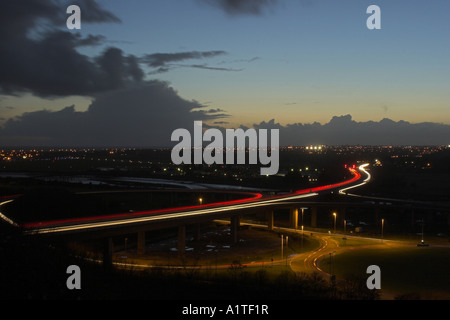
{"points": [[293, 218], [234, 226]]}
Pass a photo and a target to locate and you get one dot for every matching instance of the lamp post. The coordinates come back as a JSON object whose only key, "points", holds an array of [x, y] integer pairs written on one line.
{"points": [[302, 237], [422, 230], [331, 265], [334, 215]]}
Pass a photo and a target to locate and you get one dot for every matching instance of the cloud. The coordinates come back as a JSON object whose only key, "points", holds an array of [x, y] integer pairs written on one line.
{"points": [[242, 60], [146, 115], [163, 62], [242, 7], [92, 12], [343, 130], [203, 66], [162, 59], [90, 40], [137, 116], [41, 56]]}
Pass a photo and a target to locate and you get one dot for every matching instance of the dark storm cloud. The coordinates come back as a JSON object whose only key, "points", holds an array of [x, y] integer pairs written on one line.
{"points": [[40, 56], [90, 40], [132, 68], [17, 18], [116, 69], [242, 7], [92, 12], [137, 116]]}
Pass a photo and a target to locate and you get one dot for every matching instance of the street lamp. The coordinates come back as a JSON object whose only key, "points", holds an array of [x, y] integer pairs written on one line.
{"points": [[302, 238], [200, 200], [382, 228], [334, 215], [345, 226]]}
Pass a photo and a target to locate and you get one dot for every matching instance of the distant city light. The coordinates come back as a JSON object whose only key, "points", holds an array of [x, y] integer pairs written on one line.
{"points": [[315, 148]]}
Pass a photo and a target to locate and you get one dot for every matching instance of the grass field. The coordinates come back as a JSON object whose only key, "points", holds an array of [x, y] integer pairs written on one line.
{"points": [[419, 271]]}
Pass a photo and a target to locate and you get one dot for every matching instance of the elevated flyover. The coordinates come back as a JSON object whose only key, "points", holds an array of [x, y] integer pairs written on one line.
{"points": [[106, 227]]}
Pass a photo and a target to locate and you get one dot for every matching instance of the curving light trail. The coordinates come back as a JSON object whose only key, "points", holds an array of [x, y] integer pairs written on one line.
{"points": [[52, 228], [2, 216], [176, 213], [363, 169]]}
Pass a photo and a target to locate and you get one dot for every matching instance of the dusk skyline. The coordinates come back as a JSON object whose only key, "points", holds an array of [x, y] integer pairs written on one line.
{"points": [[137, 70]]}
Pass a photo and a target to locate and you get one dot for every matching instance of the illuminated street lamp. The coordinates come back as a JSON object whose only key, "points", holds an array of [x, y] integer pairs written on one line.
{"points": [[382, 228], [302, 238], [334, 215], [200, 200]]}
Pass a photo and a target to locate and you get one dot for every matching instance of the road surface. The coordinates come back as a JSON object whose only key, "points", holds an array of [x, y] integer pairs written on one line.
{"points": [[155, 216]]}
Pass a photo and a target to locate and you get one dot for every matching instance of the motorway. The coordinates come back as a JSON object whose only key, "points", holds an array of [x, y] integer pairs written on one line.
{"points": [[192, 212]]}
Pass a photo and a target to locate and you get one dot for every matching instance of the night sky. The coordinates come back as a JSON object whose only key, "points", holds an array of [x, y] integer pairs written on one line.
{"points": [[137, 70]]}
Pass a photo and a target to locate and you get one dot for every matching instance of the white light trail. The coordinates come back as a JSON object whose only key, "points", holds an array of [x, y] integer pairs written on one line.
{"points": [[162, 217], [362, 168], [2, 216]]}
